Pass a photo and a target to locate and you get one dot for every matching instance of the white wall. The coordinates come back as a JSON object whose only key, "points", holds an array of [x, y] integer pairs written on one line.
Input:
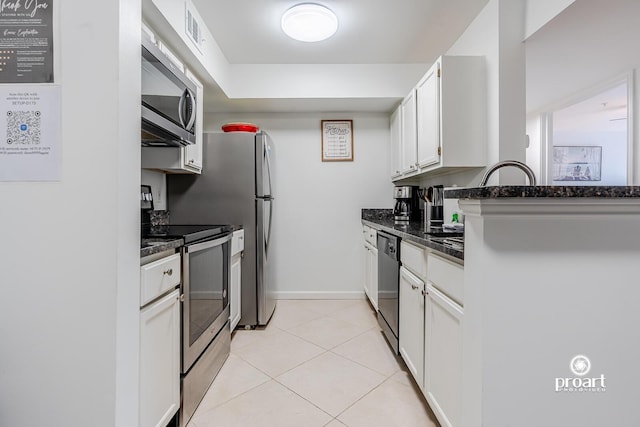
{"points": [[70, 249], [588, 44], [539, 12], [318, 237], [533, 153]]}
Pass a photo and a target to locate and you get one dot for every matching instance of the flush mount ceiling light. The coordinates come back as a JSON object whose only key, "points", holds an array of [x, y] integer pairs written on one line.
{"points": [[309, 22]]}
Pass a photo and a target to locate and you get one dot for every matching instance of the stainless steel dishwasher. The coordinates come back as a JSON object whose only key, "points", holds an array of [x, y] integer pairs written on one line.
{"points": [[388, 283]]}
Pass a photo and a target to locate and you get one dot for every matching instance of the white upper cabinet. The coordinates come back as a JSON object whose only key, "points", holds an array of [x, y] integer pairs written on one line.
{"points": [[444, 121], [428, 109], [396, 141], [409, 151], [462, 98]]}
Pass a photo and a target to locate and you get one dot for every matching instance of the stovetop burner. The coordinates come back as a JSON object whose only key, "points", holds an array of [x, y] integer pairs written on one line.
{"points": [[189, 233]]}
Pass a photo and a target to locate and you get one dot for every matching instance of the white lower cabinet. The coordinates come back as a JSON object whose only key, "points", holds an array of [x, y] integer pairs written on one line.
{"points": [[371, 274], [235, 302], [411, 323], [160, 361], [370, 265], [443, 320], [235, 282], [430, 327]]}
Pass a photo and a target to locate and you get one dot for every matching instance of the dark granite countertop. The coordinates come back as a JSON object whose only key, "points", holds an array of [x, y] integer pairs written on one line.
{"points": [[540, 191], [154, 246], [382, 219]]}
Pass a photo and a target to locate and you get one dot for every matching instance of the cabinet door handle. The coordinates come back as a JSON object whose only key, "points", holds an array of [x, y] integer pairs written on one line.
{"points": [[168, 272], [414, 287], [425, 293]]}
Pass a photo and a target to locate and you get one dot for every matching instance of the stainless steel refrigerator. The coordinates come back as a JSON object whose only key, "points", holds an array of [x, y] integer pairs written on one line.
{"points": [[235, 187]]}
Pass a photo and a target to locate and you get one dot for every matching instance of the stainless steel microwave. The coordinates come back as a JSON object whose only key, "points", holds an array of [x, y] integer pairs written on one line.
{"points": [[168, 101]]}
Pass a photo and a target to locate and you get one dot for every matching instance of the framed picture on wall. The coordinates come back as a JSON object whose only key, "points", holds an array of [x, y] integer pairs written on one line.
{"points": [[337, 140], [577, 163]]}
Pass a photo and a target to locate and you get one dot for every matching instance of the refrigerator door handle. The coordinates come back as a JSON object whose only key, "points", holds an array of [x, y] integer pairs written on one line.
{"points": [[268, 162], [267, 236]]}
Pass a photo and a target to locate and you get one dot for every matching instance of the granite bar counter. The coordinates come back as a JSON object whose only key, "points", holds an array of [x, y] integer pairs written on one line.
{"points": [[414, 231], [550, 272], [540, 191]]}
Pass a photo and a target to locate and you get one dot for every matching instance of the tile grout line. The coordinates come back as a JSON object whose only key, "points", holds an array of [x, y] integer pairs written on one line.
{"points": [[365, 366], [337, 345], [278, 329], [365, 395], [357, 400]]}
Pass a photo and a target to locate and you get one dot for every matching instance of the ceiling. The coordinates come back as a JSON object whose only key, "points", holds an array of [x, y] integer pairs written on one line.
{"points": [[605, 111], [369, 32]]}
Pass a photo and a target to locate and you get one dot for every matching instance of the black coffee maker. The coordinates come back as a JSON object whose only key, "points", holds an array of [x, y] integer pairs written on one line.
{"points": [[407, 207]]}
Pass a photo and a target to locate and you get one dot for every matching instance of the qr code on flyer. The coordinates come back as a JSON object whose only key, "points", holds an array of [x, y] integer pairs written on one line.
{"points": [[23, 127]]}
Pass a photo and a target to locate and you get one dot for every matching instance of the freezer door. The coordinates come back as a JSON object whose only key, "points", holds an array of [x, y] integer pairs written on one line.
{"points": [[265, 155], [264, 261]]}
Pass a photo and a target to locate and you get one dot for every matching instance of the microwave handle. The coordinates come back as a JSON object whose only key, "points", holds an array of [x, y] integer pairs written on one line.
{"points": [[192, 117]]}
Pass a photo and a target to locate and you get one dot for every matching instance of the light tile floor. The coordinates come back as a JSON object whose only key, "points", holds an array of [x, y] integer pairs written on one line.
{"points": [[317, 363]]}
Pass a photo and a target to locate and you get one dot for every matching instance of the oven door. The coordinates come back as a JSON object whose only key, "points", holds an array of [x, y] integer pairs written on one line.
{"points": [[205, 266]]}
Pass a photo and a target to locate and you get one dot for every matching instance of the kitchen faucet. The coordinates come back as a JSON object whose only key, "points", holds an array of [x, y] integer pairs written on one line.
{"points": [[526, 169]]}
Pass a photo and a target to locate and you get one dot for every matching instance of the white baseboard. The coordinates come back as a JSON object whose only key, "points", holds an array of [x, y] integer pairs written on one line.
{"points": [[319, 295]]}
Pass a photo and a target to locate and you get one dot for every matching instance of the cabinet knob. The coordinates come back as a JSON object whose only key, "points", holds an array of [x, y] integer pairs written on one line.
{"points": [[168, 272], [425, 293], [414, 287]]}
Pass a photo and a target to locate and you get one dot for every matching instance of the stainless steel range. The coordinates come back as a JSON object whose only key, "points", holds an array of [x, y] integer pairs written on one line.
{"points": [[206, 264]]}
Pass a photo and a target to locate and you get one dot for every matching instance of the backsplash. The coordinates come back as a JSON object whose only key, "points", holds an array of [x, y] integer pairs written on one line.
{"points": [[377, 214], [159, 217]]}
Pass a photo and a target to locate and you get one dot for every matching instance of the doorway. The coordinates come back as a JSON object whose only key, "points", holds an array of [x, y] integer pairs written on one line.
{"points": [[588, 141]]}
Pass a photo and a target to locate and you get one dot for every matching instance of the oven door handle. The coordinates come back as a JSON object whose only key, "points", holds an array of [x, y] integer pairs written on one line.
{"points": [[208, 244]]}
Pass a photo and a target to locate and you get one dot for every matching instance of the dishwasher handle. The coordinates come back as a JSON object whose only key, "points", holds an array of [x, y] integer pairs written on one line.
{"points": [[392, 249], [388, 243]]}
